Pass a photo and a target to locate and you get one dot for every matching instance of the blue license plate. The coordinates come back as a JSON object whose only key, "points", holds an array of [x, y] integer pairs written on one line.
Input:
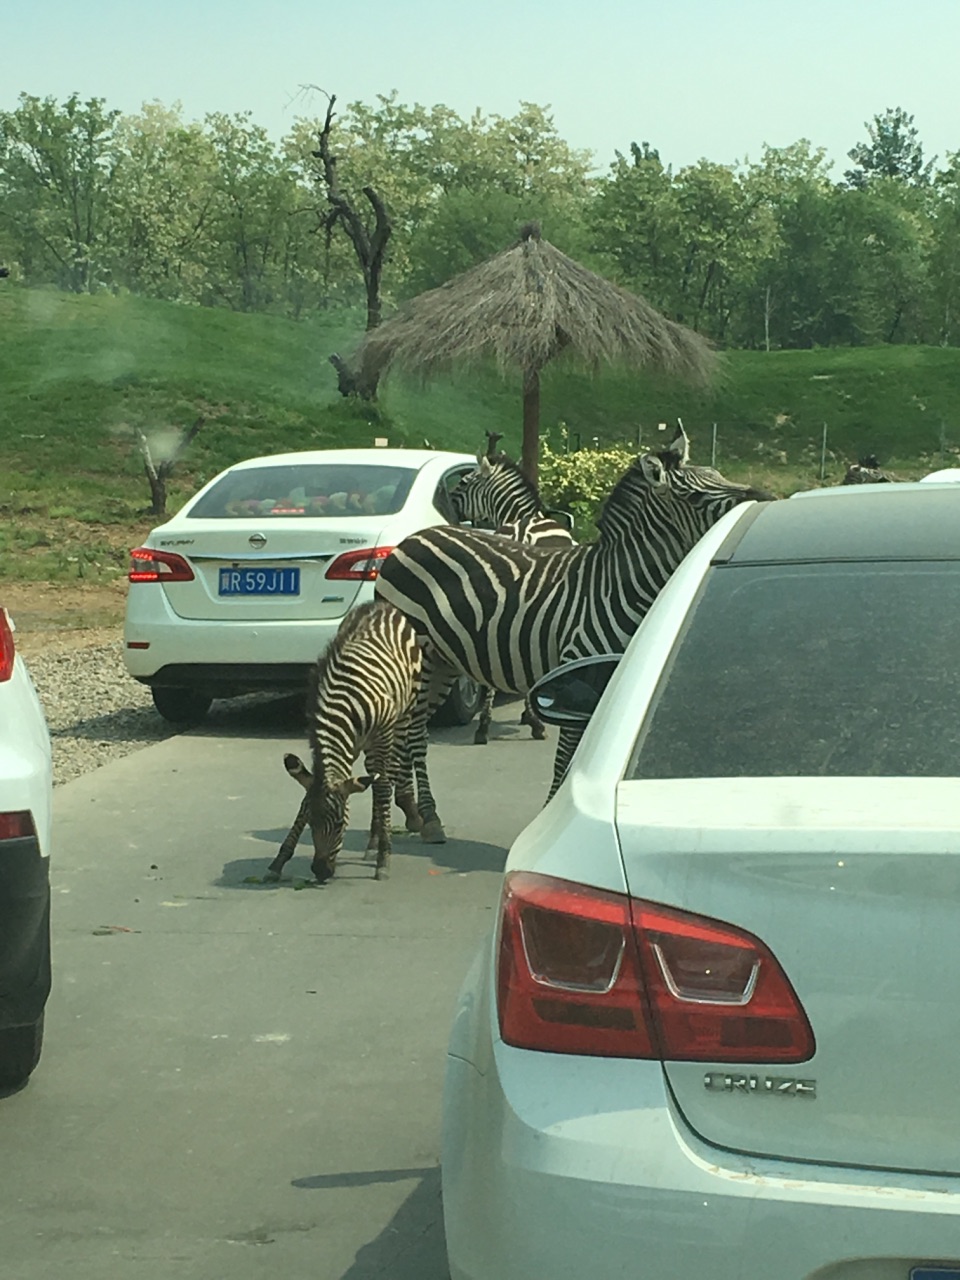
{"points": [[267, 581], [935, 1273]]}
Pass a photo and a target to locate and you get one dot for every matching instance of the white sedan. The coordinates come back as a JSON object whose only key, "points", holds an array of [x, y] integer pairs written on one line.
{"points": [[26, 802], [246, 585], [714, 1030]]}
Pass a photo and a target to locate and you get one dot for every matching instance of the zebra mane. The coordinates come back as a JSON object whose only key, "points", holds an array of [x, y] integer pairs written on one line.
{"points": [[623, 496], [318, 673], [508, 464]]}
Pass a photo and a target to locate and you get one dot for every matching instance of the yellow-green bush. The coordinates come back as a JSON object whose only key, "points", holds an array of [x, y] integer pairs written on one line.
{"points": [[580, 482]]}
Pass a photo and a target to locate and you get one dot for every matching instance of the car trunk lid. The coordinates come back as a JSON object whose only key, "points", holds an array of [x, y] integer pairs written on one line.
{"points": [[854, 885], [259, 571]]}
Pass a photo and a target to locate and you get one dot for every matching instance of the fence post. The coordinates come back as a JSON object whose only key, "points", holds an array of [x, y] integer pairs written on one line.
{"points": [[639, 436], [823, 453], [713, 447], [943, 440]]}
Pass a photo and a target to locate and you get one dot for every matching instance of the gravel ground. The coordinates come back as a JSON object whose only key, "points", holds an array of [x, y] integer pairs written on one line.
{"points": [[96, 712]]}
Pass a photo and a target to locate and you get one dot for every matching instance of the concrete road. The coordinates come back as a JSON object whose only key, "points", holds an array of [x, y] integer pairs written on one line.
{"points": [[243, 1080]]}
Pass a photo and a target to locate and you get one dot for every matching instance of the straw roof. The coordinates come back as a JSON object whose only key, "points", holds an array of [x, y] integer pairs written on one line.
{"points": [[523, 307]]}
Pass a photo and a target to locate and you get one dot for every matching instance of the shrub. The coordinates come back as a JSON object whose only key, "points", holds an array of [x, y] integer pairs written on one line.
{"points": [[580, 482]]}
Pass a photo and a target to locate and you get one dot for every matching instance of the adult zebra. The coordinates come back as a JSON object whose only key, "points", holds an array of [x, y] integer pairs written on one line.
{"points": [[500, 497], [505, 614]]}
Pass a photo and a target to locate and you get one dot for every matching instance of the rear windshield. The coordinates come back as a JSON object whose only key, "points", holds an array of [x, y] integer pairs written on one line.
{"points": [[310, 489], [799, 670]]}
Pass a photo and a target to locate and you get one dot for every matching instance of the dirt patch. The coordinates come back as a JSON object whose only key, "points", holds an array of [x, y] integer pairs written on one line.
{"points": [[53, 617]]}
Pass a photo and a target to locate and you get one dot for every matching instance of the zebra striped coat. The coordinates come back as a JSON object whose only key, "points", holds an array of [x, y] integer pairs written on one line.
{"points": [[362, 692], [506, 614], [499, 496]]}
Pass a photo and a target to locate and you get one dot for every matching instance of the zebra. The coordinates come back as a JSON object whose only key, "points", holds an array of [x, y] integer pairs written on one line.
{"points": [[363, 689], [498, 495], [865, 470], [505, 614]]}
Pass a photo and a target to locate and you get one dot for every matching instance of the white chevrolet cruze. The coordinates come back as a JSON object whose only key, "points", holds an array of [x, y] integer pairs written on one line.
{"points": [[26, 802], [715, 1030], [249, 581]]}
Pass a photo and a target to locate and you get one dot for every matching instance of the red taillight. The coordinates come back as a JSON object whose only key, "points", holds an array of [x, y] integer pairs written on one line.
{"points": [[585, 971], [7, 649], [363, 565], [147, 565], [17, 826]]}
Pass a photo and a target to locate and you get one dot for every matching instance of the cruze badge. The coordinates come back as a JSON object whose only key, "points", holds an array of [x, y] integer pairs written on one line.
{"points": [[257, 540], [777, 1086]]}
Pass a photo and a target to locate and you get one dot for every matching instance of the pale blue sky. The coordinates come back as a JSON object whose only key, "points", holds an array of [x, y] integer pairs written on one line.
{"points": [[714, 78]]}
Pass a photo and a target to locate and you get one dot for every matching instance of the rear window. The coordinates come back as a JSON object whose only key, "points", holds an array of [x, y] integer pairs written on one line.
{"points": [[800, 670], [320, 489]]}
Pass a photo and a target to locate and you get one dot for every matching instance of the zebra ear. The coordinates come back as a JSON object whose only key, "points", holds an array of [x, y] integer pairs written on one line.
{"points": [[297, 769], [486, 469], [679, 447], [349, 786]]}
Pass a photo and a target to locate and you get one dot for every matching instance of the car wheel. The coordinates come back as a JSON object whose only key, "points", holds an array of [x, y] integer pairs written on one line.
{"points": [[462, 703], [19, 1053], [181, 706]]}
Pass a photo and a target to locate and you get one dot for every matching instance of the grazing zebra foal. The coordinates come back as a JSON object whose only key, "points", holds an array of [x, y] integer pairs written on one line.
{"points": [[362, 691], [499, 496], [506, 614]]}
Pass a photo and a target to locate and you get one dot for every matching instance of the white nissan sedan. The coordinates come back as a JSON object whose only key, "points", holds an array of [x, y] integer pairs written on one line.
{"points": [[245, 586], [715, 1030]]}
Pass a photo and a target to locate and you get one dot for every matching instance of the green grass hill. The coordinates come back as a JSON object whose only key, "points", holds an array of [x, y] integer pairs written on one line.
{"points": [[79, 374]]}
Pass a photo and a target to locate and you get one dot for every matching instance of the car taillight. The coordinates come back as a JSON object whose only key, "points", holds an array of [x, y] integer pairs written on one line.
{"points": [[364, 564], [147, 565], [7, 648], [17, 826], [582, 970]]}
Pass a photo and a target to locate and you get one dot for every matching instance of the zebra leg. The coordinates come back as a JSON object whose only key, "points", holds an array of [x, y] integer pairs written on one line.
{"points": [[538, 730], [382, 791], [401, 772], [436, 683], [567, 741], [298, 770], [481, 737]]}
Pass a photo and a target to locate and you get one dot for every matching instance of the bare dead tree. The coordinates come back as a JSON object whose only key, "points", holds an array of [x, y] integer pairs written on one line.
{"points": [[369, 245], [159, 473]]}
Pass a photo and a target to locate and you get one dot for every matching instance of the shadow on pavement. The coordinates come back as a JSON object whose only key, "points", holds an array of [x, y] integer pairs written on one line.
{"points": [[411, 1246]]}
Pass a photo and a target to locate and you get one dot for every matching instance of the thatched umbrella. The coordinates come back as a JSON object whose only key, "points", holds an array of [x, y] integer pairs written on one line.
{"points": [[524, 307]]}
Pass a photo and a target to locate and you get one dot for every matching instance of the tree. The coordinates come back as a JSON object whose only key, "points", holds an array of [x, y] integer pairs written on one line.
{"points": [[57, 164], [894, 151]]}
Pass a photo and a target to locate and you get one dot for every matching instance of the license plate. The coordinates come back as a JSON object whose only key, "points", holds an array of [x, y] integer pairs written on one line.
{"points": [[935, 1273], [260, 582]]}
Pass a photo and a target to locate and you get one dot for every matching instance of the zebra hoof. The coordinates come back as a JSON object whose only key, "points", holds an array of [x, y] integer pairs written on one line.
{"points": [[414, 824], [270, 876], [433, 832], [382, 873], [480, 738], [538, 733]]}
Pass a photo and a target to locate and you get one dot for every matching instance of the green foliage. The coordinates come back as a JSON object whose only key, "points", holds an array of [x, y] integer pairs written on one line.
{"points": [[580, 482], [894, 151]]}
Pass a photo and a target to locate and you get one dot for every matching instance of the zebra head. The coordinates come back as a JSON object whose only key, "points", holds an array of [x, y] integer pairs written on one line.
{"points": [[496, 493], [708, 492], [328, 818]]}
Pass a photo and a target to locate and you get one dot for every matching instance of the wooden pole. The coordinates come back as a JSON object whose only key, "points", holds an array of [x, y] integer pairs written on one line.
{"points": [[531, 426]]}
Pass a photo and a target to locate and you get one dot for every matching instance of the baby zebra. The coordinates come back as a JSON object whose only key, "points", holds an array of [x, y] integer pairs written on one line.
{"points": [[362, 691]]}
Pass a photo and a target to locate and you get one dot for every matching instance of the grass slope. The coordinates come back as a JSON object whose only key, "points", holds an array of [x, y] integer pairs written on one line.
{"points": [[78, 373]]}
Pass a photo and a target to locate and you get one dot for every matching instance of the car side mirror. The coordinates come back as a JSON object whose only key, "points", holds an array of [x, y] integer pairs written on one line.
{"points": [[569, 694]]}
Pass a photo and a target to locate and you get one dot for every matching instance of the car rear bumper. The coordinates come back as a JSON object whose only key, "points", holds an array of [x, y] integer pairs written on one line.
{"points": [[24, 932], [560, 1167], [214, 654]]}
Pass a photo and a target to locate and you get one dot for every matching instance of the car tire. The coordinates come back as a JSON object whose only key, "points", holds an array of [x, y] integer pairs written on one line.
{"points": [[19, 1053], [462, 704], [181, 706]]}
